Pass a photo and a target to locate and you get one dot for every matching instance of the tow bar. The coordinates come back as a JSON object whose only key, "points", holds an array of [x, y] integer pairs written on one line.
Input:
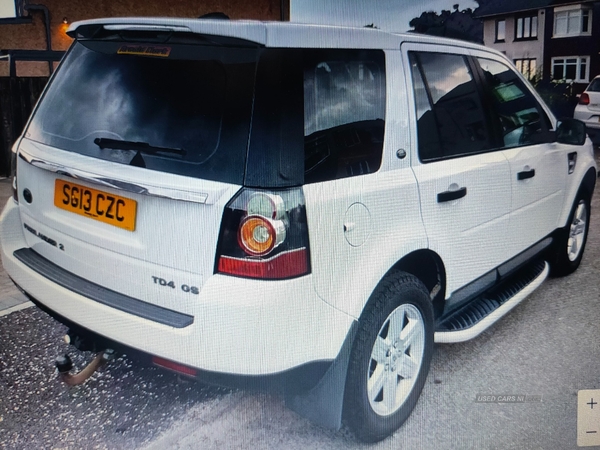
{"points": [[64, 364]]}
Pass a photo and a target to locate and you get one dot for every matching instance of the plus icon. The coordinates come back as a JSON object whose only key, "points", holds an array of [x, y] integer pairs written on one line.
{"points": [[592, 403]]}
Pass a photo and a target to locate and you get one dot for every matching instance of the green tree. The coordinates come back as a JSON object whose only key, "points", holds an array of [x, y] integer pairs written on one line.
{"points": [[458, 24]]}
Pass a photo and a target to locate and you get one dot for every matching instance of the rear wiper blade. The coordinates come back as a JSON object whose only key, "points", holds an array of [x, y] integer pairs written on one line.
{"points": [[143, 147]]}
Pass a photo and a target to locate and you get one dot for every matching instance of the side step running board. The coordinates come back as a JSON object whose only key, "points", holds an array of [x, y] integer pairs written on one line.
{"points": [[478, 315]]}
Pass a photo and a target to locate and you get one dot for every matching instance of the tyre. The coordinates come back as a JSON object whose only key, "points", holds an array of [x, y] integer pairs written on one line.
{"points": [[390, 358], [570, 241]]}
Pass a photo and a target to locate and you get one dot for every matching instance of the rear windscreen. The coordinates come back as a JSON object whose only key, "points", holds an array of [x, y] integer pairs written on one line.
{"points": [[594, 86], [182, 109]]}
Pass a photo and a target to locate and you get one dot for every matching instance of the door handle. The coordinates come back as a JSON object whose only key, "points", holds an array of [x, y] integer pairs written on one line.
{"points": [[526, 174], [448, 196]]}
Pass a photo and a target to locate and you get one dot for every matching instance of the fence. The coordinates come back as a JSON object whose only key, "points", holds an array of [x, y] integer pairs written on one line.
{"points": [[18, 96]]}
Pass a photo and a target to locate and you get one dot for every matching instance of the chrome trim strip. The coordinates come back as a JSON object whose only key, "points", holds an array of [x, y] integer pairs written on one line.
{"points": [[146, 189], [144, 27]]}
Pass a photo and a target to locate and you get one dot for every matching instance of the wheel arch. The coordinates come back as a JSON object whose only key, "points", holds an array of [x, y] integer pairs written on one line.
{"points": [[589, 181], [325, 403], [587, 185], [428, 267]]}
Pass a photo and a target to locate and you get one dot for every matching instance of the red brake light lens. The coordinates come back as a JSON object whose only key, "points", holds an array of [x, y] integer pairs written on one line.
{"points": [[584, 99]]}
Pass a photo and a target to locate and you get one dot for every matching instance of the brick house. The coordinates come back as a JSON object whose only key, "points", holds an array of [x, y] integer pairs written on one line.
{"points": [[37, 29], [555, 39]]}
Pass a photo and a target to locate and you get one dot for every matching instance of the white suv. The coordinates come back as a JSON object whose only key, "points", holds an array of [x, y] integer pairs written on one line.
{"points": [[301, 206]]}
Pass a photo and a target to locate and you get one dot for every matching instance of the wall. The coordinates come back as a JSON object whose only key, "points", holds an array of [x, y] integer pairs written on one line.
{"points": [[32, 36], [516, 49]]}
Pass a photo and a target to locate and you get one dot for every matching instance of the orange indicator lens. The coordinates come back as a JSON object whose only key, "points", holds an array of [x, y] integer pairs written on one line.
{"points": [[257, 235]]}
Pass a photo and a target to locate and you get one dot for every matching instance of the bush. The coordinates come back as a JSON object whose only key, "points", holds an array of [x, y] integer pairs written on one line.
{"points": [[558, 95]]}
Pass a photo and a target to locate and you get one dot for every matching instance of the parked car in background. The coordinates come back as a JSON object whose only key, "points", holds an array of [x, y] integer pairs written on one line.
{"points": [[285, 204], [588, 109]]}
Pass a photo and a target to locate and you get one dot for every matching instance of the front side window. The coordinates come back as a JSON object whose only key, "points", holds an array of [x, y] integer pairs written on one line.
{"points": [[571, 68], [572, 21], [515, 112], [451, 120], [526, 27]]}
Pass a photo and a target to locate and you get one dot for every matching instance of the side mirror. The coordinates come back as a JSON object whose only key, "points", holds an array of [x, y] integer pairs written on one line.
{"points": [[571, 131]]}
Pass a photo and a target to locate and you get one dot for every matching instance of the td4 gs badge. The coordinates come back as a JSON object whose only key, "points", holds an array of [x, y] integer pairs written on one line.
{"points": [[184, 287]]}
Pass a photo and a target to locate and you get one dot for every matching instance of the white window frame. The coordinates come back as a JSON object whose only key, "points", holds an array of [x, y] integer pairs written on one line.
{"points": [[579, 59], [576, 14], [12, 14]]}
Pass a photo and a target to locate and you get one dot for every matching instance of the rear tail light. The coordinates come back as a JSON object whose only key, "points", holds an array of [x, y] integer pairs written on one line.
{"points": [[264, 235], [584, 99]]}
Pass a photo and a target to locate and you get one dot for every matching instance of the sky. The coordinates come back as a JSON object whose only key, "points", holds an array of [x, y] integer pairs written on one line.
{"points": [[389, 15], [7, 8]]}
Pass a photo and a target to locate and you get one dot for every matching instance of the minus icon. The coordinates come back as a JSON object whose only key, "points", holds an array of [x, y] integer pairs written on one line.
{"points": [[592, 432]]}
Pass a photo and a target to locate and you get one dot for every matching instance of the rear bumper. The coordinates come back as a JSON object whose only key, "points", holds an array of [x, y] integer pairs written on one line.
{"points": [[240, 327], [590, 118]]}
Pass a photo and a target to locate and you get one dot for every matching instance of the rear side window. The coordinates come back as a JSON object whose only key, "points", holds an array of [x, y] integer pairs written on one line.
{"points": [[344, 111], [451, 120], [183, 109], [319, 115]]}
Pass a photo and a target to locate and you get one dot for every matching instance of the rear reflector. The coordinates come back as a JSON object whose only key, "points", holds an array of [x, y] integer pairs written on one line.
{"points": [[175, 367], [284, 265]]}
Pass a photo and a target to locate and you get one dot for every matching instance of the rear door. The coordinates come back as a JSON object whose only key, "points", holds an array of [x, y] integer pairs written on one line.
{"points": [[464, 183]]}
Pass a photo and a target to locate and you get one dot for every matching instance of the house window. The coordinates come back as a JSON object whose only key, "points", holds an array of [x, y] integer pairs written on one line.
{"points": [[572, 21], [8, 10], [527, 66], [571, 68], [500, 30], [11, 11], [526, 27]]}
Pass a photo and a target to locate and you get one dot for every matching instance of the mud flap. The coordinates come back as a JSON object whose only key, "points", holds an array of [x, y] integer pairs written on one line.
{"points": [[323, 404]]}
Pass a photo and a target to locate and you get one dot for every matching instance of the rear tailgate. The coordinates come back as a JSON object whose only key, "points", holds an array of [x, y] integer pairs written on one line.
{"points": [[166, 257], [130, 157]]}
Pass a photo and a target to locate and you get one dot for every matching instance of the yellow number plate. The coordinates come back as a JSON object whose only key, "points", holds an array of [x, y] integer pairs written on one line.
{"points": [[102, 206]]}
